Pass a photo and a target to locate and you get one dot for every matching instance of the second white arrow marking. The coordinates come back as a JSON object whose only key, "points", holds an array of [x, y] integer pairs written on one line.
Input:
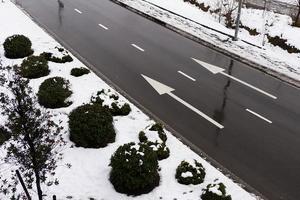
{"points": [[215, 70], [164, 89]]}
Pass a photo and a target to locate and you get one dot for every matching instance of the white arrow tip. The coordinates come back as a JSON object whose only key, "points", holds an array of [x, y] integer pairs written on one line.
{"points": [[212, 68], [159, 87]]}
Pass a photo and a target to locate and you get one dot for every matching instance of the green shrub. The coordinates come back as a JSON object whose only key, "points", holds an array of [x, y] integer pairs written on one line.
{"points": [[4, 135], [34, 67], [142, 137], [79, 71], [160, 148], [134, 169], [54, 92], [160, 129], [17, 46], [211, 194], [157, 127], [49, 56], [163, 152], [282, 43], [123, 111], [196, 173], [91, 126], [114, 97]]}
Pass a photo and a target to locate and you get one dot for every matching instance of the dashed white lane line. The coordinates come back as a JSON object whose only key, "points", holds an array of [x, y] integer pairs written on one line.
{"points": [[137, 47], [259, 116], [78, 11], [187, 76], [102, 26]]}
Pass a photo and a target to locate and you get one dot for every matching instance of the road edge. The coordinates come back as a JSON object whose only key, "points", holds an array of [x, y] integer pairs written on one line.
{"points": [[275, 74], [179, 136]]}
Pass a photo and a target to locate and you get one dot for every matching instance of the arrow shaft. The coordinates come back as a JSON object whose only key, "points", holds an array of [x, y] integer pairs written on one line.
{"points": [[249, 85], [196, 110]]}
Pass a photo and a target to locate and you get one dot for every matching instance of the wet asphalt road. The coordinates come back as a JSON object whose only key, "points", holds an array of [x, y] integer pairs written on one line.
{"points": [[264, 155]]}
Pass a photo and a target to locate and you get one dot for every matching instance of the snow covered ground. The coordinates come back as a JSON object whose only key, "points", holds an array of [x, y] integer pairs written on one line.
{"points": [[88, 175], [271, 57]]}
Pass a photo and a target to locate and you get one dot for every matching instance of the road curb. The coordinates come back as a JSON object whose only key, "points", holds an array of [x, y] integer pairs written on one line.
{"points": [[179, 136], [291, 81]]}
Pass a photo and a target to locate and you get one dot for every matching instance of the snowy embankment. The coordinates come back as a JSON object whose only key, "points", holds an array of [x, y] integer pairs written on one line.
{"points": [[269, 56], [84, 173]]}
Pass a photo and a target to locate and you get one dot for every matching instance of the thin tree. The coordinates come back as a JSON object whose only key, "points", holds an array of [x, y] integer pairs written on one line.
{"points": [[226, 9], [298, 14], [35, 137]]}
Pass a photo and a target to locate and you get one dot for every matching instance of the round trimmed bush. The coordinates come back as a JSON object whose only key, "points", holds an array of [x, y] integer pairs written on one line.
{"points": [[49, 56], [79, 71], [120, 111], [4, 135], [17, 46], [91, 126], [134, 169], [216, 191], [34, 67], [53, 93], [190, 174]]}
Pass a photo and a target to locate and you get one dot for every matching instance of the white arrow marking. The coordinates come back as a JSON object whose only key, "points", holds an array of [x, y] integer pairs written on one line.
{"points": [[159, 87], [164, 89], [78, 11], [215, 70]]}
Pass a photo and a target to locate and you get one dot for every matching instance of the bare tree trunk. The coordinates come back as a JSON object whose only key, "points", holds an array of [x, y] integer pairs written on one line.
{"points": [[35, 168], [298, 15], [38, 184]]}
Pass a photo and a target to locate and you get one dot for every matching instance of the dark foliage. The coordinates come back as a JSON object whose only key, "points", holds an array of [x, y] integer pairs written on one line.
{"points": [[197, 171], [114, 97], [159, 148], [209, 195], [4, 135], [117, 111], [250, 30], [35, 137], [79, 71], [134, 169], [91, 126], [157, 127], [199, 5], [53, 93], [282, 43], [34, 67], [142, 137], [64, 59], [17, 46], [163, 152], [160, 129]]}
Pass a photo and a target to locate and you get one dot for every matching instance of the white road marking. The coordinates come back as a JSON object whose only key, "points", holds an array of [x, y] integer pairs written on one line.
{"points": [[189, 77], [215, 70], [196, 110], [259, 116], [249, 85], [102, 26], [137, 47], [78, 11], [164, 89]]}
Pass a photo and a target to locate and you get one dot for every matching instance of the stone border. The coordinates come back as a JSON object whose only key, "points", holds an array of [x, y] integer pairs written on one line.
{"points": [[291, 81]]}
